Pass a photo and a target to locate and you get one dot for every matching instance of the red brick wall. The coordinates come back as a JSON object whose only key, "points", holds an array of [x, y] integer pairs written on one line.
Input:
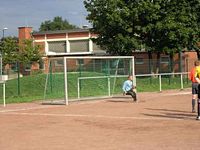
{"points": [[39, 37], [24, 33], [190, 58], [56, 36], [78, 34]]}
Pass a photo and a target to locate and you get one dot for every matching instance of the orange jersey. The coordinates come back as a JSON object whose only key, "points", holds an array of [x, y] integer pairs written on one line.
{"points": [[193, 75]]}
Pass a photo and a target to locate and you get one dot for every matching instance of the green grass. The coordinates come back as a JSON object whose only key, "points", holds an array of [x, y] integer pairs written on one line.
{"points": [[32, 87], [147, 84]]}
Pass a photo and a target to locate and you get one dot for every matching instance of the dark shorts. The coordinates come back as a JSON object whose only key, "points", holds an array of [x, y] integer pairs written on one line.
{"points": [[132, 93], [195, 88]]}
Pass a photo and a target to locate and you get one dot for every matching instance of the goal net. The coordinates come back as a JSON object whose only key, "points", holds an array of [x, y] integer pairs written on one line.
{"points": [[86, 77]]}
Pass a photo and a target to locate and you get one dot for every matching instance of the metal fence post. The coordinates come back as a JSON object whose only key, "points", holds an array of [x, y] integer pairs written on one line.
{"points": [[4, 94], [160, 82], [78, 86], [18, 79], [108, 86], [181, 81], [66, 82]]}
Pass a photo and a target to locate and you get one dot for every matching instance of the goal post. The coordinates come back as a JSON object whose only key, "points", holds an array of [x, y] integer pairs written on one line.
{"points": [[86, 77]]}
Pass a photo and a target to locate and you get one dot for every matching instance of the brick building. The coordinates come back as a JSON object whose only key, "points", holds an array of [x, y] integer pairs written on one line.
{"points": [[77, 42]]}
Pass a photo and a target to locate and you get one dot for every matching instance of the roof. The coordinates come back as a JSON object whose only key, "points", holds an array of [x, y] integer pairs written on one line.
{"points": [[60, 31]]}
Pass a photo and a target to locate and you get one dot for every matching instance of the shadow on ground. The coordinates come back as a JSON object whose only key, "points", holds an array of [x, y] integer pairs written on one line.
{"points": [[171, 114]]}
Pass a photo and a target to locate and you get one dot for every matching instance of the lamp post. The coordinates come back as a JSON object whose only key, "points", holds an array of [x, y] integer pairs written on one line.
{"points": [[4, 31], [1, 71]]}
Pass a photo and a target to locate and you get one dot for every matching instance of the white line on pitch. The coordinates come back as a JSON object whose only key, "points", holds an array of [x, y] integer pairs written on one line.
{"points": [[184, 93], [24, 109], [90, 116]]}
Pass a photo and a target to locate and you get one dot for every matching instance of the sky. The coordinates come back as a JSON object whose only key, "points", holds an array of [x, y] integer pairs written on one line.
{"points": [[31, 13]]}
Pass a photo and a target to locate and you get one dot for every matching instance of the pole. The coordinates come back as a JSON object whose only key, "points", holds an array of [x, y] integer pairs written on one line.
{"points": [[108, 86], [18, 79], [160, 82], [4, 94], [78, 85], [66, 86], [133, 70], [181, 81], [51, 78]]}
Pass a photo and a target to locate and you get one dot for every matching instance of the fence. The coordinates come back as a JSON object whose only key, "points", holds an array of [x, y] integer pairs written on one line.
{"points": [[147, 66], [30, 86], [173, 78]]}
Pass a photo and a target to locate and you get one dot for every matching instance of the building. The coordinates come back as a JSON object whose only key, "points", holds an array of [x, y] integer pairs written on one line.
{"points": [[77, 42]]}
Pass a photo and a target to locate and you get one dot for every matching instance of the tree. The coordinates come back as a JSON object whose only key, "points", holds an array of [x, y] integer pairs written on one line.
{"points": [[113, 21], [162, 26], [172, 27], [9, 49], [24, 53], [57, 24], [195, 44], [28, 52]]}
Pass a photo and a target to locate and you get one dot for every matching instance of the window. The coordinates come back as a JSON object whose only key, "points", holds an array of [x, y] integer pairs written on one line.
{"points": [[79, 46], [164, 60], [139, 61], [57, 46]]}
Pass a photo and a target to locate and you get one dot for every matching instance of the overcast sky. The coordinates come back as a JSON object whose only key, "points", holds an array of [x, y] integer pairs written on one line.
{"points": [[18, 13]]}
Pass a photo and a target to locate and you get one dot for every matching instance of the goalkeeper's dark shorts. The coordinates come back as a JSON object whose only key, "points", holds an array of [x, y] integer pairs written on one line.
{"points": [[132, 93]]}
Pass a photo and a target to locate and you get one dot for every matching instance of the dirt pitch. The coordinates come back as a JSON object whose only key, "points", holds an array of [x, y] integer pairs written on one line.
{"points": [[159, 121]]}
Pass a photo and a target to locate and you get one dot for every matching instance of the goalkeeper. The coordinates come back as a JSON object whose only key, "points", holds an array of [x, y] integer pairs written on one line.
{"points": [[129, 88]]}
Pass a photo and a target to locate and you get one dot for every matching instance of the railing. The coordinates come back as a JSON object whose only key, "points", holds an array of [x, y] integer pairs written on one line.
{"points": [[159, 76], [164, 74]]}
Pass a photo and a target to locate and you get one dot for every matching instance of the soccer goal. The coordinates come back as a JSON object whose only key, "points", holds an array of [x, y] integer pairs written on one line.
{"points": [[86, 77]]}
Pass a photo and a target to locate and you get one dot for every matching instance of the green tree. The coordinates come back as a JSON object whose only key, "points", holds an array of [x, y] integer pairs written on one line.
{"points": [[160, 26], [9, 49], [57, 24], [114, 22], [171, 27], [28, 52], [12, 52]]}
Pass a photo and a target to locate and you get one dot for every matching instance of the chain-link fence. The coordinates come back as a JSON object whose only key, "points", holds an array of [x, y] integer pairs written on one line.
{"points": [[147, 66], [27, 84]]}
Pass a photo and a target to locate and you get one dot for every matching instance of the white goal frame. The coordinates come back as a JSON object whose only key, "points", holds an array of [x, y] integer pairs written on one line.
{"points": [[93, 57]]}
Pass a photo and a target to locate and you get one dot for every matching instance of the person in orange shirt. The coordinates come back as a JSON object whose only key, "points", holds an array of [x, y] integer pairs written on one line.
{"points": [[195, 84]]}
